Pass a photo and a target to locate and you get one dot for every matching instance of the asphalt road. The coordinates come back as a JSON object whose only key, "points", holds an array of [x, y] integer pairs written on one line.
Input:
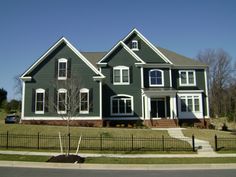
{"points": [[41, 172]]}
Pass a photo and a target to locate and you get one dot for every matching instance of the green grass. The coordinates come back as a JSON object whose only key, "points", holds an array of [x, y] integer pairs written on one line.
{"points": [[26, 158], [104, 160]]}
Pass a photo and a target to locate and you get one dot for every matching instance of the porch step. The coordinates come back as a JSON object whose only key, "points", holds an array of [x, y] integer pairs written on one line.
{"points": [[164, 123]]}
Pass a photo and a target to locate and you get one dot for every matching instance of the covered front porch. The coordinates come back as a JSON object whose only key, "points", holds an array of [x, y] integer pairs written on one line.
{"points": [[159, 103]]}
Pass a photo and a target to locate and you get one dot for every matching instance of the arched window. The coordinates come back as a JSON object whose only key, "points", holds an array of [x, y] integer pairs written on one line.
{"points": [[84, 101], [39, 101], [62, 101], [156, 77], [121, 105], [62, 69]]}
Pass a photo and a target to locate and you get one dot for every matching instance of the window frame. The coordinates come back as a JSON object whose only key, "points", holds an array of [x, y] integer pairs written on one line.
{"points": [[162, 78], [120, 69], [187, 78], [119, 97], [62, 90], [84, 90], [134, 45], [186, 99], [62, 60], [37, 91]]}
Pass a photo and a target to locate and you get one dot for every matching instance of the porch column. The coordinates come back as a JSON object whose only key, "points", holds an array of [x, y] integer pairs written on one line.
{"points": [[147, 107], [173, 111]]}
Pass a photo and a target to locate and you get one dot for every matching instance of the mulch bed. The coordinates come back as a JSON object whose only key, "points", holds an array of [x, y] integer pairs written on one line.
{"points": [[66, 159]]}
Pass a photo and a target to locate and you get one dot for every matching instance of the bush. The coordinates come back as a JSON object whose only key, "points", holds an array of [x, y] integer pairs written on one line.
{"points": [[212, 126], [224, 127]]}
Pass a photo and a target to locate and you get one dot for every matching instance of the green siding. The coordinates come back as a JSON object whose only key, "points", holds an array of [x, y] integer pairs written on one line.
{"points": [[145, 52], [166, 77], [121, 57], [44, 77]]}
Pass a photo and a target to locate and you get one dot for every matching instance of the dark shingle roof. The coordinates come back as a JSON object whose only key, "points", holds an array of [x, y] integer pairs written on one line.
{"points": [[180, 60], [175, 58]]}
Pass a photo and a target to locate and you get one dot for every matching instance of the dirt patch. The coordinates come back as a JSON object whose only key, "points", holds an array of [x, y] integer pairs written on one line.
{"points": [[66, 159]]}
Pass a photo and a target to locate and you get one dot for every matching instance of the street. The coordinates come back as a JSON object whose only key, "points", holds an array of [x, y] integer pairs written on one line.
{"points": [[41, 172]]}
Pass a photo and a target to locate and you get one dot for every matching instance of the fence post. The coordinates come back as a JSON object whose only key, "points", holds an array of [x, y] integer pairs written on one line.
{"points": [[132, 140], [7, 140], [216, 143], [69, 142], [163, 143], [193, 143], [38, 141], [101, 142]]}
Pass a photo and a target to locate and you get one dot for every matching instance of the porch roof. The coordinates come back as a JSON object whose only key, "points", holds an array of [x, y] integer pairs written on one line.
{"points": [[150, 92]]}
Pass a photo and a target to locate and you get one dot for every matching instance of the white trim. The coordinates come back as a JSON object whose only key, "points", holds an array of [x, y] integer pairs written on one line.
{"points": [[39, 90], [126, 48], [162, 78], [170, 74], [28, 78], [122, 114], [193, 113], [120, 69], [61, 90], [157, 65], [149, 44], [100, 100], [190, 91], [63, 39], [136, 44], [84, 90], [187, 78], [189, 67], [207, 98], [23, 100], [62, 60], [59, 118], [121, 118]]}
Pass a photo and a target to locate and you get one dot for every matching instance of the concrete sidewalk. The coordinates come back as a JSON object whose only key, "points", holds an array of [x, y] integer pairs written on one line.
{"points": [[210, 155]]}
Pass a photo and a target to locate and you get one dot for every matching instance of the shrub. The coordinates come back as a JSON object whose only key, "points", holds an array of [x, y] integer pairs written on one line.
{"points": [[224, 127]]}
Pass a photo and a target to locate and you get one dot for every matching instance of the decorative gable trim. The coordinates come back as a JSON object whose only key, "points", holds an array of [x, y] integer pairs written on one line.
{"points": [[102, 63], [51, 49], [149, 44]]}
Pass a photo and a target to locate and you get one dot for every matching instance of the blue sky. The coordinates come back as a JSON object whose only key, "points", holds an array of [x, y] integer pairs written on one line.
{"points": [[28, 28]]}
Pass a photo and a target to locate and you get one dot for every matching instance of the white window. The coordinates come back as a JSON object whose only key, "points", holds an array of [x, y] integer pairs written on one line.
{"points": [[190, 103], [39, 101], [84, 101], [134, 45], [121, 105], [156, 77], [121, 75], [62, 69], [62, 101], [187, 78]]}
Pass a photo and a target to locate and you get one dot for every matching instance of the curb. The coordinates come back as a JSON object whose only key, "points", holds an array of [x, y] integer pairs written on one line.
{"points": [[116, 166]]}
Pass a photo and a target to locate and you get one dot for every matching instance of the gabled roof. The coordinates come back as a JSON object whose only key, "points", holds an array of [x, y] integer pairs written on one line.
{"points": [[180, 60], [120, 43], [51, 49], [156, 50]]}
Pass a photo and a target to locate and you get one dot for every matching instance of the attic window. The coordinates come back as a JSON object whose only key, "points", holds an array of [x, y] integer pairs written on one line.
{"points": [[134, 45], [62, 69]]}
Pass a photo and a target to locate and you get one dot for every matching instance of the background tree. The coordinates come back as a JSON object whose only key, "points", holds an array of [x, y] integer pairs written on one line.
{"points": [[3, 96], [18, 86], [221, 81]]}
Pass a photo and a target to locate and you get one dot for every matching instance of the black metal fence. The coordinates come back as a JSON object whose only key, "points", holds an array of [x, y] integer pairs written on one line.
{"points": [[225, 144], [99, 143]]}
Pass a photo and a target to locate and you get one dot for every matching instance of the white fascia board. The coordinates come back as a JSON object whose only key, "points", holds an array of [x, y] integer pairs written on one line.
{"points": [[126, 48], [98, 78], [43, 56], [189, 67], [63, 39], [28, 78], [83, 58], [149, 44], [190, 91]]}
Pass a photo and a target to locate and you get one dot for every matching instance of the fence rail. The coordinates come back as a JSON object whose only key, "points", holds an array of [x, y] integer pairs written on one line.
{"points": [[99, 143], [106, 143]]}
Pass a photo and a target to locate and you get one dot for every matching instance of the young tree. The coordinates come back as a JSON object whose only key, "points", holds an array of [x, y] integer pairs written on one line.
{"points": [[69, 101]]}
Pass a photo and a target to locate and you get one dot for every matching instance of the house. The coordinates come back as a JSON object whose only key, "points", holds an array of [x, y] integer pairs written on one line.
{"points": [[134, 82]]}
